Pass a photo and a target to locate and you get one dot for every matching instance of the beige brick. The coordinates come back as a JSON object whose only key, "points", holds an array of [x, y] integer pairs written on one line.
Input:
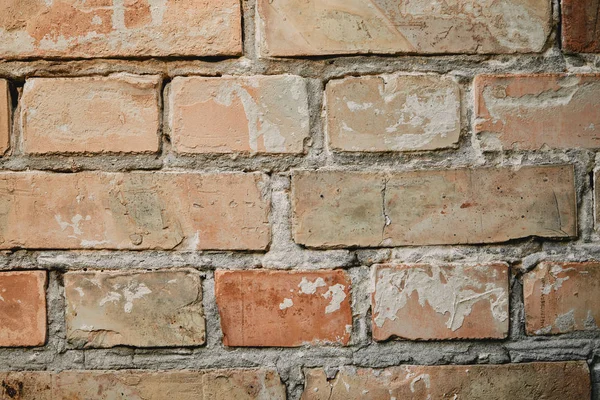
{"points": [[130, 28], [5, 114], [239, 384], [562, 297], [23, 308], [257, 114], [316, 27], [528, 112], [426, 302], [542, 380], [483, 205], [138, 210], [283, 308], [134, 308], [116, 114], [393, 113]]}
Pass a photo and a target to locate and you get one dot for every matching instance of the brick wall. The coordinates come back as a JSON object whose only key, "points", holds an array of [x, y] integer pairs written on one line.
{"points": [[302, 199]]}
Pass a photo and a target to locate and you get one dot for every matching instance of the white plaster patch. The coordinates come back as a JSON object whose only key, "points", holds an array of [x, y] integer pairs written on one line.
{"points": [[133, 292], [556, 282], [286, 303], [308, 287], [337, 295]]}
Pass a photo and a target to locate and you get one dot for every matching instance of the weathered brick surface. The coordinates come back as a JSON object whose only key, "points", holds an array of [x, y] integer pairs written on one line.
{"points": [[138, 210], [300, 27], [531, 111], [132, 28], [114, 114], [427, 302], [551, 381], [134, 308], [393, 113], [562, 297], [5, 108], [342, 208], [257, 114], [23, 308], [581, 26], [243, 384], [283, 308]]}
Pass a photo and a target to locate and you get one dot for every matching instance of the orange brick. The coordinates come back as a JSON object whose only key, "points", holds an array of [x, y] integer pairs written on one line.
{"points": [[5, 120], [239, 384], [428, 302], [542, 380], [256, 114], [23, 308], [317, 27], [132, 28], [138, 210], [283, 308], [562, 297], [116, 114], [580, 33], [482, 205], [529, 112]]}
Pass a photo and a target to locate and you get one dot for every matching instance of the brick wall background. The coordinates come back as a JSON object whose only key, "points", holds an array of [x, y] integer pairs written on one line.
{"points": [[310, 199]]}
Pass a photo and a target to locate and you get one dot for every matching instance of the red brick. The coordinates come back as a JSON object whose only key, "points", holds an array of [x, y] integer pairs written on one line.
{"points": [[23, 308], [256, 114], [562, 297], [116, 114], [5, 120], [484, 205], [316, 27], [134, 308], [428, 302], [528, 112], [239, 384], [138, 210], [392, 113], [283, 308], [580, 26], [548, 381], [132, 28]]}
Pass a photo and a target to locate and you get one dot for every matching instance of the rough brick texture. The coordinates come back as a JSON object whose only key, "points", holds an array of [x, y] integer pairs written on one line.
{"points": [[132, 28], [243, 384], [581, 26], [259, 114], [143, 309], [440, 302], [342, 208], [552, 381], [283, 308], [5, 120], [23, 308], [562, 297], [144, 210], [314, 27], [91, 115], [393, 113], [529, 112]]}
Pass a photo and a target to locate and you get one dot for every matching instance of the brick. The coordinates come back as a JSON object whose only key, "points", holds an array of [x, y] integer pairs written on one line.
{"points": [[562, 297], [142, 309], [462, 206], [426, 302], [130, 28], [541, 380], [23, 308], [116, 114], [393, 113], [138, 210], [257, 114], [313, 27], [580, 26], [5, 111], [528, 112], [242, 384], [283, 308]]}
